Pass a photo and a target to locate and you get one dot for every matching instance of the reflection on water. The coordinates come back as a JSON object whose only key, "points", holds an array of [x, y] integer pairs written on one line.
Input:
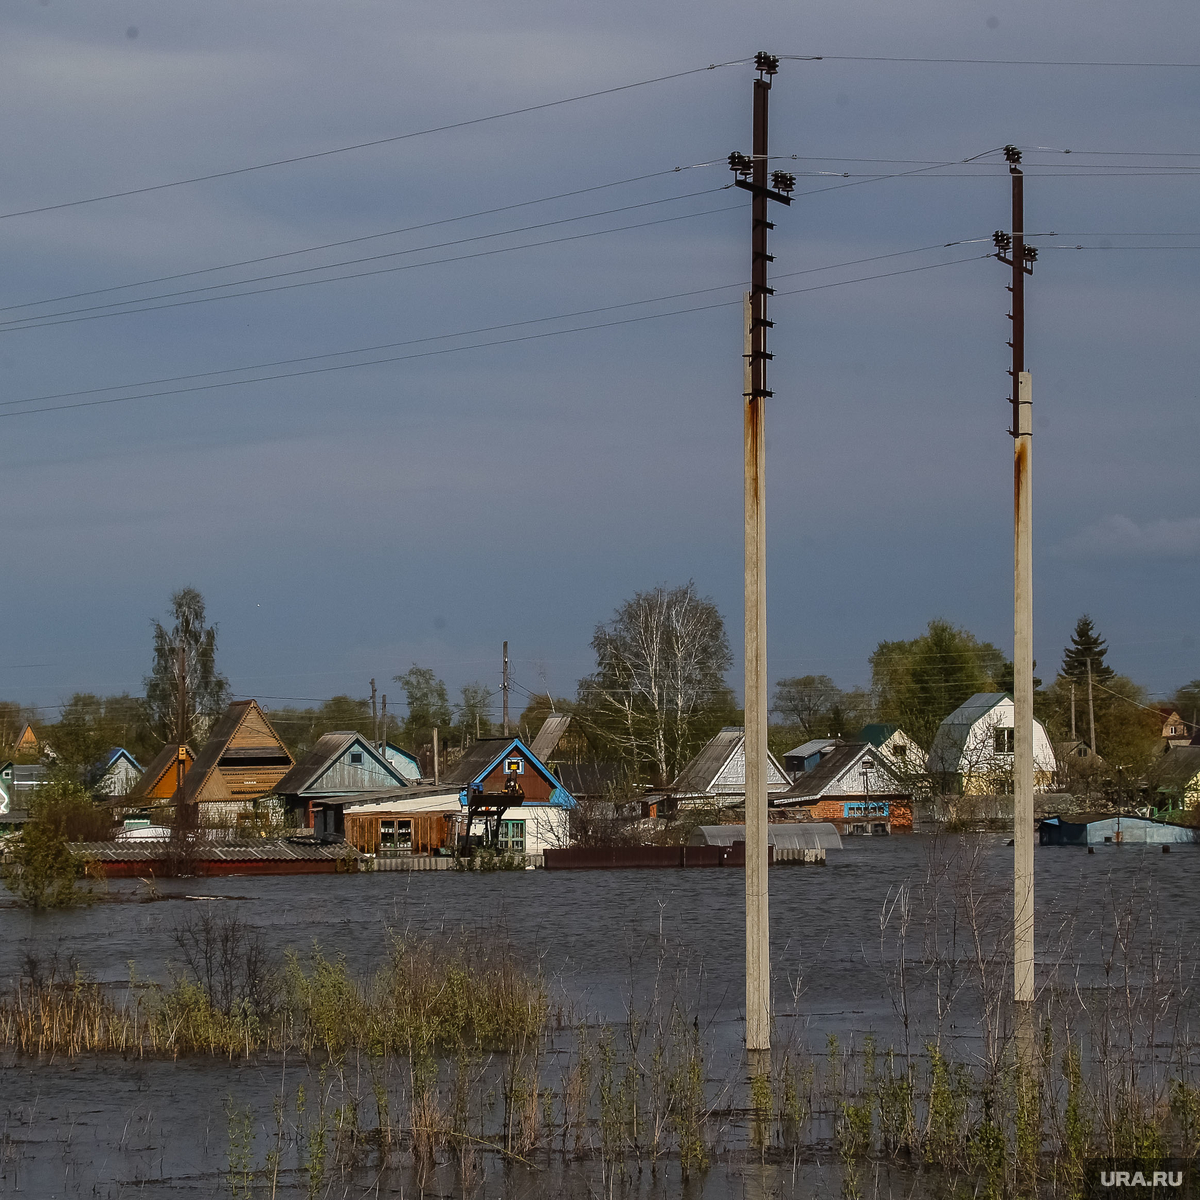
{"points": [[605, 941]]}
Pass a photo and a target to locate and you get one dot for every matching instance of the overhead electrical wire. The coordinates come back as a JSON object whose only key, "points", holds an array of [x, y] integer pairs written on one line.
{"points": [[996, 62], [366, 237], [384, 141], [585, 312], [17, 322], [479, 345], [40, 323]]}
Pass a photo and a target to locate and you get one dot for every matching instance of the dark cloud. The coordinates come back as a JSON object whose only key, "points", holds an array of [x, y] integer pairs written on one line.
{"points": [[427, 510]]}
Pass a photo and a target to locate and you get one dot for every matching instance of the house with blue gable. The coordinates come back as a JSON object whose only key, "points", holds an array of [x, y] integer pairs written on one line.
{"points": [[118, 774], [407, 764], [510, 798]]}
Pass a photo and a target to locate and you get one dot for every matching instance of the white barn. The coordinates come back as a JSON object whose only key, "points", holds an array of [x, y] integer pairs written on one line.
{"points": [[975, 745]]}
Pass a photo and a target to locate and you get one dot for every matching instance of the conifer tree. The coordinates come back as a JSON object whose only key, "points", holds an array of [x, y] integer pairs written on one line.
{"points": [[1086, 644]]}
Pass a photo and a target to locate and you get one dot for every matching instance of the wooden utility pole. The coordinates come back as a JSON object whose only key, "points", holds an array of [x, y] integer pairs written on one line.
{"points": [[374, 714], [383, 722], [1091, 711], [1021, 258], [752, 176], [181, 723], [504, 687], [1072, 710], [436, 771]]}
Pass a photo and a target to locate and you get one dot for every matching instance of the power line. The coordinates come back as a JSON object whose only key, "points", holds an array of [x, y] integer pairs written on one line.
{"points": [[366, 237], [399, 137], [998, 62], [480, 345], [472, 332], [21, 324]]}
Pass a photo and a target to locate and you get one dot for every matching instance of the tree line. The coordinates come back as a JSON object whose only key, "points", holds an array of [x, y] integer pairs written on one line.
{"points": [[659, 690]]}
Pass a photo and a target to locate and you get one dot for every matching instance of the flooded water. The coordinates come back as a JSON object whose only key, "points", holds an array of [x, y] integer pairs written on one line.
{"points": [[603, 939]]}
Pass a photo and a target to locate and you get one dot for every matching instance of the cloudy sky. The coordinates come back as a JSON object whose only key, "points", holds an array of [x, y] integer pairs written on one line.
{"points": [[401, 492]]}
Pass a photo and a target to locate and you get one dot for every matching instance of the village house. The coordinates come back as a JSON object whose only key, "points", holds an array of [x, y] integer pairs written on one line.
{"points": [[27, 743], [119, 774], [160, 779], [242, 761], [1177, 776], [852, 787], [1175, 730], [510, 797], [897, 748], [716, 777], [972, 751], [407, 764], [17, 783], [340, 769]]}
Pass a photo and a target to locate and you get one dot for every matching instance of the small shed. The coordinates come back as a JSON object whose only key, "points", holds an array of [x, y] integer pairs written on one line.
{"points": [[1099, 829]]}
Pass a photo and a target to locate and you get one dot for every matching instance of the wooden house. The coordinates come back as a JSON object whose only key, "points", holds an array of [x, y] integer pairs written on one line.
{"points": [[510, 797], [27, 742], [1177, 775], [1175, 730], [854, 788], [340, 768], [160, 778], [405, 762], [242, 761]]}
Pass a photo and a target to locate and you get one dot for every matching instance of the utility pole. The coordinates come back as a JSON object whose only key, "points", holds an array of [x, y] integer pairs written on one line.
{"points": [[436, 772], [383, 722], [181, 724], [504, 687], [752, 177], [374, 714], [1072, 710], [1091, 710], [1011, 250]]}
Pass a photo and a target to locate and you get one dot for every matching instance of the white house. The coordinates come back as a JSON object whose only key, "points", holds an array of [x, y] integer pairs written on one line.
{"points": [[121, 773], [974, 744]]}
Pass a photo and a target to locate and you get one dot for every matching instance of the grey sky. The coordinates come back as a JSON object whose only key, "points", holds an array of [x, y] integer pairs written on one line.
{"points": [[346, 524]]}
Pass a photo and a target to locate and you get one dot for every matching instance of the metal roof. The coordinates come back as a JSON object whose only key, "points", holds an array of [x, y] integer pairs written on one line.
{"points": [[813, 784], [283, 850], [548, 737], [792, 835], [977, 706], [813, 747], [1178, 766], [876, 734], [700, 775]]}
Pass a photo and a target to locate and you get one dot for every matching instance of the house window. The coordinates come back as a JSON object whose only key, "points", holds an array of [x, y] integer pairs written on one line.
{"points": [[900, 751], [387, 833], [1002, 741], [404, 835], [512, 836], [514, 766], [356, 758]]}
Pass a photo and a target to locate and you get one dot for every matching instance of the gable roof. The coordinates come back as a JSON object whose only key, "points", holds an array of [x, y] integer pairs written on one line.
{"points": [[243, 717], [1179, 766], [550, 734], [979, 705], [27, 740], [403, 761], [482, 756], [151, 783], [834, 766], [329, 748], [701, 775]]}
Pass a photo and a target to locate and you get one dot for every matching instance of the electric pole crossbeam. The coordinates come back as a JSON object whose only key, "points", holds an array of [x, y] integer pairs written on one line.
{"points": [[752, 176], [1012, 251]]}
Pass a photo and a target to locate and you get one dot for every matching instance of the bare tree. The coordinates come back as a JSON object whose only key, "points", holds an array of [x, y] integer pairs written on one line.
{"points": [[659, 688]]}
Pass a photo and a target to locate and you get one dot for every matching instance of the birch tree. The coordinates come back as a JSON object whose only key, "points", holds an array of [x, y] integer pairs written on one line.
{"points": [[659, 688], [207, 690]]}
